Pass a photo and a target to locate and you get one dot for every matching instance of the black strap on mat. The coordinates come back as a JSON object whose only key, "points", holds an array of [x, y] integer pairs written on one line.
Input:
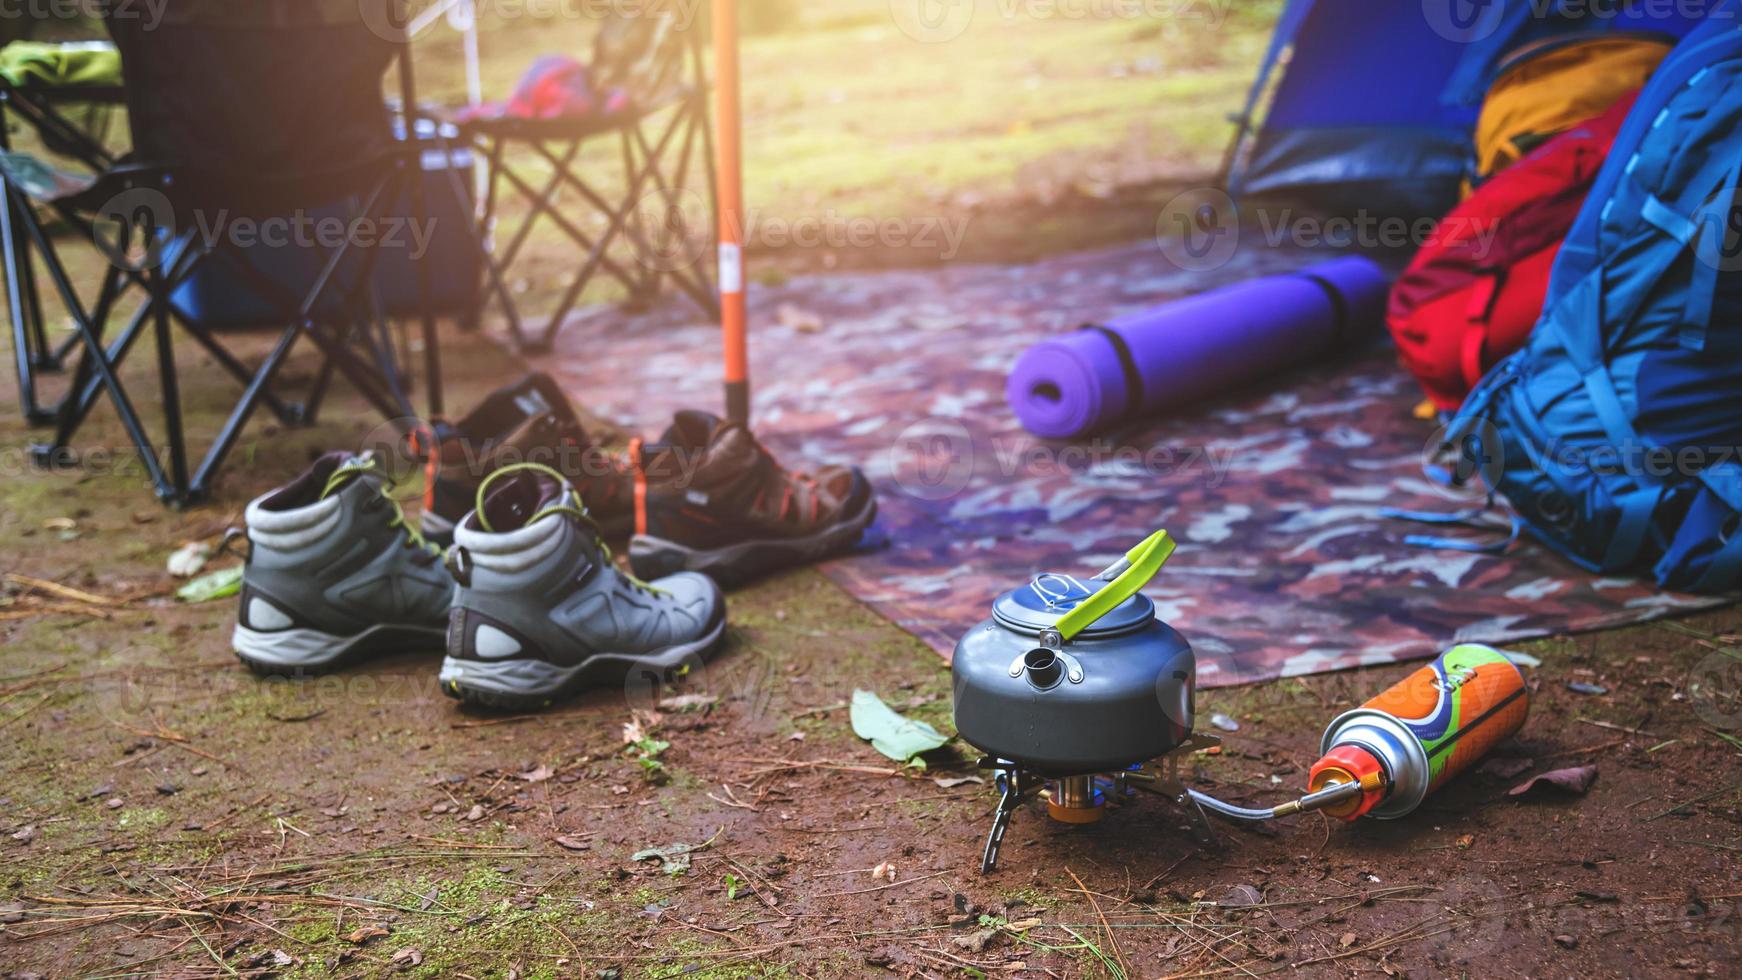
{"points": [[1127, 365], [1339, 305]]}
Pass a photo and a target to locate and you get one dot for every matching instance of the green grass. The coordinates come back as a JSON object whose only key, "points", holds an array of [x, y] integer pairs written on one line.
{"points": [[848, 117]]}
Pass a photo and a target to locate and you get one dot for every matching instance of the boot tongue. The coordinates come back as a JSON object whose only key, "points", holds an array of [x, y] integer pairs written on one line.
{"points": [[513, 501], [705, 446], [691, 429], [344, 470]]}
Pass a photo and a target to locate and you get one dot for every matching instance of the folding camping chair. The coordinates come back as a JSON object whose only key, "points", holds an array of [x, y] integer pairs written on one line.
{"points": [[239, 113], [661, 133], [70, 117]]}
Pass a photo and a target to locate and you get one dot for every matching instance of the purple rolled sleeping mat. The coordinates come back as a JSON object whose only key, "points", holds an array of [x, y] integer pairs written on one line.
{"points": [[1194, 348]]}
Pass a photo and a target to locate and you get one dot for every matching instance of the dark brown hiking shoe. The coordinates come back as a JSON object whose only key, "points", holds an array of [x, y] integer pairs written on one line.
{"points": [[526, 422], [709, 498]]}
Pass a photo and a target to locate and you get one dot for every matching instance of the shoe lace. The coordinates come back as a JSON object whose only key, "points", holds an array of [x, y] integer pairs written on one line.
{"points": [[370, 464], [577, 510]]}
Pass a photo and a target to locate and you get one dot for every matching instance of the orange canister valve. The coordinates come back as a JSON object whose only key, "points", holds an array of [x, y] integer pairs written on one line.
{"points": [[1349, 763]]}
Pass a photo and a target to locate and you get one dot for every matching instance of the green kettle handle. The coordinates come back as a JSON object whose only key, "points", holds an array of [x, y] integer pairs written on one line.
{"points": [[1126, 576]]}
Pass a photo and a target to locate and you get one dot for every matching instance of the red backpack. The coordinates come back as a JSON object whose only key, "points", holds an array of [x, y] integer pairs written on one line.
{"points": [[1472, 293]]}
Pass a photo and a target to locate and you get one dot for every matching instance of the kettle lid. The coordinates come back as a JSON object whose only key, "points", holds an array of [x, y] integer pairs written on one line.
{"points": [[1039, 605]]}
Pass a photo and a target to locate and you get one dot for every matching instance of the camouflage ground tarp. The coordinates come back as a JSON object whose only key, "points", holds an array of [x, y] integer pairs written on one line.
{"points": [[1284, 565]]}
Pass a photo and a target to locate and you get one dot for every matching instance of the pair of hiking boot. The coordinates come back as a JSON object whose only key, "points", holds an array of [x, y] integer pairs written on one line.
{"points": [[528, 599], [706, 497], [528, 602]]}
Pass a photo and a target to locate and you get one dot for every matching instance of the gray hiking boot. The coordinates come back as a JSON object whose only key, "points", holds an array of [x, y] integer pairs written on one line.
{"points": [[334, 572], [543, 611]]}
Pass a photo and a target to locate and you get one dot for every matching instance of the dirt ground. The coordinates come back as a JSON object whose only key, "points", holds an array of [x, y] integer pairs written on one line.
{"points": [[166, 813]]}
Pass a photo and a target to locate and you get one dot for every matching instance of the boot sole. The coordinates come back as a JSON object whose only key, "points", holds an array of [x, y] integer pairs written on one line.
{"points": [[653, 557], [528, 685], [304, 652]]}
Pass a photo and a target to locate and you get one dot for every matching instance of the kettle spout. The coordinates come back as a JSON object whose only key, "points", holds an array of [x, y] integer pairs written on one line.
{"points": [[1043, 667]]}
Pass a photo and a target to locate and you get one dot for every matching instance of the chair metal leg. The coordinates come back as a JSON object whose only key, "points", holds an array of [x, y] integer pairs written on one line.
{"points": [[170, 388]]}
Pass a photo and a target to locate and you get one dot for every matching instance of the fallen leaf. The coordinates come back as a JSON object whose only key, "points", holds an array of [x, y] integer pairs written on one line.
{"points": [[1224, 722], [475, 814], [59, 524], [674, 859], [24, 835], [220, 584], [114, 803], [975, 942], [187, 560], [1347, 940], [1581, 687], [569, 842], [1241, 896], [1566, 942], [951, 782], [1022, 925], [537, 775], [1465, 841], [641, 724], [798, 318], [408, 957], [901, 739], [358, 937], [1575, 780], [884, 869], [795, 737], [687, 702]]}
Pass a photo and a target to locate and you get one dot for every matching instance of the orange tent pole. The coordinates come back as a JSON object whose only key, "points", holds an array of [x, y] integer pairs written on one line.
{"points": [[730, 194]]}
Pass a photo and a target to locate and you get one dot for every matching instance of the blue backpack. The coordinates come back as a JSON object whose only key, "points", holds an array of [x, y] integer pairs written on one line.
{"points": [[1615, 432]]}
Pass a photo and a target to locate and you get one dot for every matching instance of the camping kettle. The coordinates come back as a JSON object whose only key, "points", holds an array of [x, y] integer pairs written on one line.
{"points": [[1070, 676]]}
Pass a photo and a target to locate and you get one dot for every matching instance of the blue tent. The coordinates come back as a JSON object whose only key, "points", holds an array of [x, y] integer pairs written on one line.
{"points": [[1363, 104]]}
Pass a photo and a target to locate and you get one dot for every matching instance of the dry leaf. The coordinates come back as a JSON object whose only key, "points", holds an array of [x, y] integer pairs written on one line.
{"points": [[1347, 940], [186, 561], [975, 942], [951, 782], [569, 842], [884, 869], [538, 775], [408, 957], [1243, 895], [687, 702], [1575, 780], [1465, 841], [798, 318], [358, 937], [475, 814], [640, 725]]}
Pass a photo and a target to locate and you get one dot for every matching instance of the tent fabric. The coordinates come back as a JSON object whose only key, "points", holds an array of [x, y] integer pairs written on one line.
{"points": [[1371, 106]]}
